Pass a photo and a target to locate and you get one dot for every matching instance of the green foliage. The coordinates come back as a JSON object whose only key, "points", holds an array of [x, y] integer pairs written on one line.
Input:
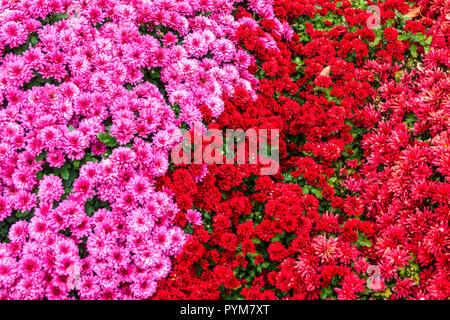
{"points": [[63, 171], [93, 204], [107, 139], [363, 241], [53, 18]]}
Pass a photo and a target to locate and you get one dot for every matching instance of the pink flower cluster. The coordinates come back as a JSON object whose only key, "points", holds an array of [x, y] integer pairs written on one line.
{"points": [[66, 80]]}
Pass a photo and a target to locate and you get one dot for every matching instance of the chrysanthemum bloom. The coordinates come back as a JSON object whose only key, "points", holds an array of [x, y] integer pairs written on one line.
{"points": [[74, 94], [50, 189], [194, 217]]}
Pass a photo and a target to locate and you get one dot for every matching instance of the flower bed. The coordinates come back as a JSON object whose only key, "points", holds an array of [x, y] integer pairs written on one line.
{"points": [[97, 94]]}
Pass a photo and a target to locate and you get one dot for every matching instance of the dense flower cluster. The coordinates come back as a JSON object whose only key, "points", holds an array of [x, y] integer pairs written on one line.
{"points": [[95, 96], [351, 215], [404, 178]]}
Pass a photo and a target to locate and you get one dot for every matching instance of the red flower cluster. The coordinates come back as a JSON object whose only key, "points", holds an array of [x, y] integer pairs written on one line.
{"points": [[364, 162]]}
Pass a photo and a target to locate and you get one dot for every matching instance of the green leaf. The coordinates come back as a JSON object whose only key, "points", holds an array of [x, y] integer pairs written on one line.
{"points": [[328, 291], [23, 215], [419, 37], [317, 193], [40, 175], [34, 39], [403, 37], [390, 22], [277, 237], [376, 41], [41, 156], [363, 241], [256, 241], [413, 50], [107, 139], [65, 173], [51, 19]]}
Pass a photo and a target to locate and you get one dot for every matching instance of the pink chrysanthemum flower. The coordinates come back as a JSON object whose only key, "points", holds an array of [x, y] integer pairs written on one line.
{"points": [[50, 188], [194, 217]]}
